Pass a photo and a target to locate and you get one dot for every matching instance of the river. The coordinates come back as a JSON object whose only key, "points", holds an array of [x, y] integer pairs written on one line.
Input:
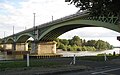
{"points": [[71, 54], [88, 53]]}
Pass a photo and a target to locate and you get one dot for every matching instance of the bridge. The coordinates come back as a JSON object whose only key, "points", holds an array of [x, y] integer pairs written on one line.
{"points": [[45, 34]]}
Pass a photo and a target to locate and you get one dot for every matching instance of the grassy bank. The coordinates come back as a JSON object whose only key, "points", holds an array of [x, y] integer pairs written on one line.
{"points": [[22, 64], [97, 58], [50, 62]]}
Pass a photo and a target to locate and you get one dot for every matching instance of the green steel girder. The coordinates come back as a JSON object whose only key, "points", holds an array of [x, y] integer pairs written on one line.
{"points": [[108, 19], [56, 30], [19, 37], [50, 31], [9, 40], [24, 37]]}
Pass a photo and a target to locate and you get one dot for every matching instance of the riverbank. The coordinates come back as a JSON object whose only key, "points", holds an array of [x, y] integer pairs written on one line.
{"points": [[87, 53]]}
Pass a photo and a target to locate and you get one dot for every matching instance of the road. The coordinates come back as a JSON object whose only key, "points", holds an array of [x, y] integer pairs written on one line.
{"points": [[100, 71]]}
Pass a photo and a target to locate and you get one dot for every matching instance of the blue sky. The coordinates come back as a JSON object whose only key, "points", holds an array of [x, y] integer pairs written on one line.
{"points": [[19, 13]]}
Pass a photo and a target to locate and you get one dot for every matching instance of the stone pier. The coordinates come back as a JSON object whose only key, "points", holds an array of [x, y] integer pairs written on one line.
{"points": [[39, 48], [8, 46], [21, 46], [44, 48]]}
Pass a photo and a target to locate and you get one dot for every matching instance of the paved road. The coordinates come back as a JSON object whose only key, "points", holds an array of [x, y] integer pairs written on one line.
{"points": [[101, 71]]}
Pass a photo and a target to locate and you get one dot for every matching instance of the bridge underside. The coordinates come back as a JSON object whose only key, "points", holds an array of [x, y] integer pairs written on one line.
{"points": [[52, 35], [23, 39]]}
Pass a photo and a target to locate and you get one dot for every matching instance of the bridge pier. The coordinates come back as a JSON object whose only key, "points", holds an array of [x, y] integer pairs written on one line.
{"points": [[21, 46], [47, 47], [44, 48], [7, 46], [18, 46]]}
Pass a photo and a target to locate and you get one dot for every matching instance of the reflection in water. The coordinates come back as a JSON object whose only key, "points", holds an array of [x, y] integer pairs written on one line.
{"points": [[88, 53]]}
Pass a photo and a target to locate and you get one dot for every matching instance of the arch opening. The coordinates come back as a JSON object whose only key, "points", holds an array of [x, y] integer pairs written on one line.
{"points": [[24, 37], [53, 34], [56, 30], [93, 33], [9, 41]]}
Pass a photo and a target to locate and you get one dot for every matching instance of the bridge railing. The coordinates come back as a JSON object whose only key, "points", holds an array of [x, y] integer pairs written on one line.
{"points": [[69, 17]]}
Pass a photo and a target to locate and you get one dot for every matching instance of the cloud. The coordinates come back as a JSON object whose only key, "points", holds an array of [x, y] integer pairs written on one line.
{"points": [[20, 12], [91, 32]]}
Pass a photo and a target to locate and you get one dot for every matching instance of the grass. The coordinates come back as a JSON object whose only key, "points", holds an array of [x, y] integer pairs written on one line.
{"points": [[19, 64], [49, 62], [22, 64], [97, 58]]}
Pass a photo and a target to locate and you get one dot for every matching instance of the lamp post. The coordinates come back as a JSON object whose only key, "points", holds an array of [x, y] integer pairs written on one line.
{"points": [[34, 20], [4, 34], [14, 44], [52, 18]]}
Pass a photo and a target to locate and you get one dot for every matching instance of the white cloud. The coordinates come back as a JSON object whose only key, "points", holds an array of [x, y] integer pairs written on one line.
{"points": [[20, 14], [91, 32]]}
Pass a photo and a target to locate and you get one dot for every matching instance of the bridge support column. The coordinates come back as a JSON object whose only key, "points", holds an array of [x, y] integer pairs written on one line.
{"points": [[7, 46], [47, 47], [21, 46]]}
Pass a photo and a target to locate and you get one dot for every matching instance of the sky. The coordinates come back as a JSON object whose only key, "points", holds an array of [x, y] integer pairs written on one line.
{"points": [[19, 13]]}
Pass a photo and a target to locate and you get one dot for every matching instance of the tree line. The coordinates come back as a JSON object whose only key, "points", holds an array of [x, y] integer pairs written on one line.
{"points": [[98, 7], [78, 44]]}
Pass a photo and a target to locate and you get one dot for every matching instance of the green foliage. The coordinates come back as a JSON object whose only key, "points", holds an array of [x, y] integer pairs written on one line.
{"points": [[91, 43], [62, 46], [102, 45], [77, 44], [64, 41], [98, 7], [76, 41]]}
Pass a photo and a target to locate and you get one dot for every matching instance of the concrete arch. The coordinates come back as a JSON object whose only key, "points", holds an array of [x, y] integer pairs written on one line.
{"points": [[58, 29], [9, 40], [24, 37]]}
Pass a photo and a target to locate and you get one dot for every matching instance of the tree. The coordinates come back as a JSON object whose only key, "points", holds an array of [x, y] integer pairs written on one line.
{"points": [[76, 41], [83, 42], [77, 44], [64, 41], [62, 46], [98, 7], [91, 43], [101, 45]]}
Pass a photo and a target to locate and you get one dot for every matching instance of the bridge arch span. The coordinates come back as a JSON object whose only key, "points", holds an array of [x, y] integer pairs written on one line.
{"points": [[58, 29], [24, 37], [9, 40]]}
